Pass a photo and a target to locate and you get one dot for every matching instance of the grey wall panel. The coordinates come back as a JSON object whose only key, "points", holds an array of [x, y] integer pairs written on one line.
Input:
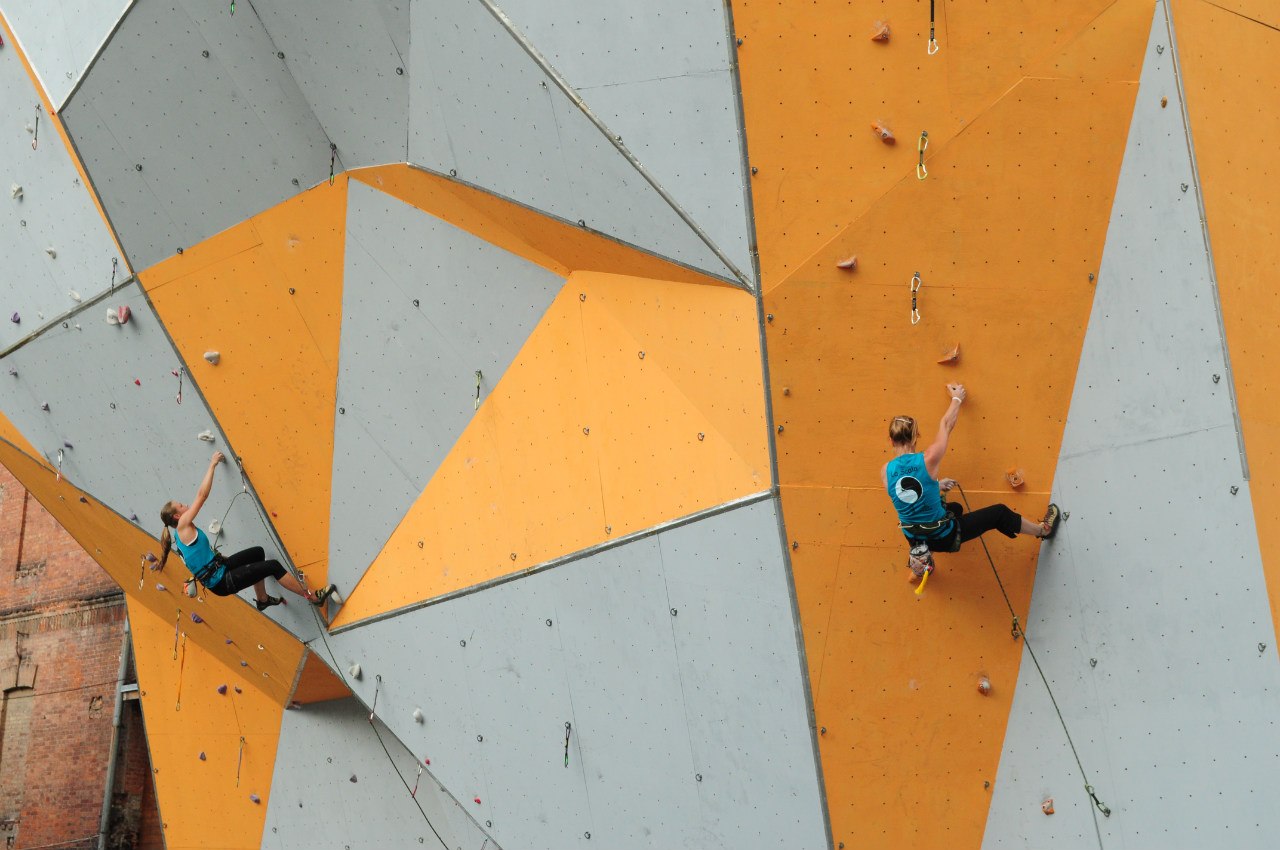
{"points": [[218, 138], [481, 107], [345, 56], [659, 75], [406, 374], [322, 748], [53, 211], [1156, 578], [133, 446], [60, 37], [654, 699]]}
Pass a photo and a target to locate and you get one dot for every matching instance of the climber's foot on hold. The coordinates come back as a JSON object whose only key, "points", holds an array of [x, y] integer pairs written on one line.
{"points": [[1052, 519], [319, 597], [264, 604]]}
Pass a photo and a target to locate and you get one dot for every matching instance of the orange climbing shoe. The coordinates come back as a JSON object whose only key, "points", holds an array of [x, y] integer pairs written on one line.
{"points": [[321, 596], [1052, 519]]}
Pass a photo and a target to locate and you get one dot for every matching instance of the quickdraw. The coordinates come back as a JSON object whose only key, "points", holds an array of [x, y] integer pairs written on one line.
{"points": [[915, 289], [921, 147]]}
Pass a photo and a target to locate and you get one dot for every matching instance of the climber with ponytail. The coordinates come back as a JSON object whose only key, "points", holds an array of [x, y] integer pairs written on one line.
{"points": [[224, 576]]}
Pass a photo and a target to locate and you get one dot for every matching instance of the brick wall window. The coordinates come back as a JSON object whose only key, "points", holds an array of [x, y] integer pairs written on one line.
{"points": [[15, 735]]}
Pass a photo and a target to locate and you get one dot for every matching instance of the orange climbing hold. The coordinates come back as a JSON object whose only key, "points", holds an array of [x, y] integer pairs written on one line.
{"points": [[1016, 477], [1047, 806], [881, 31], [849, 263], [885, 134], [984, 685], [951, 356]]}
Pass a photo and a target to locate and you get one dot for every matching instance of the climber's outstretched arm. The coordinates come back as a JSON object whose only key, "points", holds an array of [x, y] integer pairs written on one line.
{"points": [[933, 454], [188, 516]]}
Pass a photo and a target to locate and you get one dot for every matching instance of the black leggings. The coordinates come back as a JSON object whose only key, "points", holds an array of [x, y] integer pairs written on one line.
{"points": [[245, 569], [993, 517]]}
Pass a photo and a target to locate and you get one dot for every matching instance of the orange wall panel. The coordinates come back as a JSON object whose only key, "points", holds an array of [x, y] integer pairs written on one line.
{"points": [[204, 803], [555, 245], [267, 295], [593, 433], [1231, 75]]}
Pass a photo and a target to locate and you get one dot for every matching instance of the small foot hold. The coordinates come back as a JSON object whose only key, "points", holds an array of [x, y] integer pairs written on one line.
{"points": [[849, 263], [1016, 477], [880, 31], [951, 356], [1047, 806], [885, 134], [1052, 519], [264, 604]]}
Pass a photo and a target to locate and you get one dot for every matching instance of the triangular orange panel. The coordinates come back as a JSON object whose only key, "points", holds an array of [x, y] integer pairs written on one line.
{"points": [[317, 682], [552, 244], [267, 296], [600, 428]]}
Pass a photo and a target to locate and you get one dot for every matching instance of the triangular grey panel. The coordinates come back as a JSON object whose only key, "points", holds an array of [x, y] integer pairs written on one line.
{"points": [[115, 428], [650, 694], [333, 778], [350, 59], [183, 145], [485, 111], [1150, 614], [660, 75], [53, 241], [425, 305], [61, 37]]}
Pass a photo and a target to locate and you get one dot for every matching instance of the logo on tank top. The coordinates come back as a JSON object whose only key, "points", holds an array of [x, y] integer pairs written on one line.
{"points": [[908, 489]]}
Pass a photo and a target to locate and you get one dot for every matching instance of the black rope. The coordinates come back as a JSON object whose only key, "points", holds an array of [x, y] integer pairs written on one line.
{"points": [[1019, 631]]}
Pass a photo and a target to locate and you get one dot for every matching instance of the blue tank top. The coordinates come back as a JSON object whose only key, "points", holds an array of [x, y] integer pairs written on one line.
{"points": [[199, 555], [915, 493]]}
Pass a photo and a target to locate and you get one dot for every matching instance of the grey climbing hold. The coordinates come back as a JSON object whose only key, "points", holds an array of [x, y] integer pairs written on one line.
{"points": [[417, 716], [161, 588], [242, 664], [45, 407], [353, 778], [213, 357], [254, 799], [13, 371]]}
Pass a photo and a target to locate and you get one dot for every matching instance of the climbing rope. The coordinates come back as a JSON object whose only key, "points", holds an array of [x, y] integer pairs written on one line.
{"points": [[933, 42], [915, 289], [182, 663], [1019, 631], [568, 727], [921, 147]]}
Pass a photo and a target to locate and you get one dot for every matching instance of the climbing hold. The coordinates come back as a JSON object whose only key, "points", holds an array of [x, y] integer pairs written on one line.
{"points": [[1047, 806], [849, 263], [213, 357], [786, 390], [477, 801], [880, 31], [215, 526], [202, 756], [417, 716], [133, 517], [123, 313], [222, 689], [885, 134], [236, 688], [242, 664], [254, 799], [161, 588], [205, 436], [16, 192], [53, 255], [137, 382], [294, 706], [984, 685], [1164, 101], [228, 641], [1016, 477], [16, 319], [353, 778], [427, 761], [354, 671], [13, 371], [149, 558], [196, 618], [951, 356]]}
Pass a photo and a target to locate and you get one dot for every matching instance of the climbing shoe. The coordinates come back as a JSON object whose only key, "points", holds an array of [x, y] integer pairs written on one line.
{"points": [[264, 604], [1052, 518], [321, 596]]}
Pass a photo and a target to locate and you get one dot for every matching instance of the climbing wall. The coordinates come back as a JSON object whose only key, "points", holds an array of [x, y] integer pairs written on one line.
{"points": [[1150, 617], [562, 337]]}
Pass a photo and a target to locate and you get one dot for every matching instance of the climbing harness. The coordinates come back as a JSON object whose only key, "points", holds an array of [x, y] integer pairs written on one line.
{"points": [[567, 728], [479, 375], [915, 288], [1017, 632], [921, 147], [35, 139], [933, 42]]}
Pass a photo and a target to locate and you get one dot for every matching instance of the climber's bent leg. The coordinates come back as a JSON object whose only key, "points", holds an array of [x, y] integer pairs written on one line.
{"points": [[995, 518], [249, 575]]}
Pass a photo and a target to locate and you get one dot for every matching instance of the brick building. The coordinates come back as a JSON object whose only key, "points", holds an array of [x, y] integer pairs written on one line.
{"points": [[66, 723]]}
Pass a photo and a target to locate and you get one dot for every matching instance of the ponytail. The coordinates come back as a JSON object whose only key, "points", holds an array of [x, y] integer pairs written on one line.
{"points": [[170, 520], [166, 546]]}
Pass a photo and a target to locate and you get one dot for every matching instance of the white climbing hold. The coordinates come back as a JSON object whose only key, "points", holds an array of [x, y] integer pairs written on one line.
{"points": [[417, 716], [75, 296], [113, 318], [16, 191], [206, 436], [354, 671], [215, 526], [213, 357]]}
